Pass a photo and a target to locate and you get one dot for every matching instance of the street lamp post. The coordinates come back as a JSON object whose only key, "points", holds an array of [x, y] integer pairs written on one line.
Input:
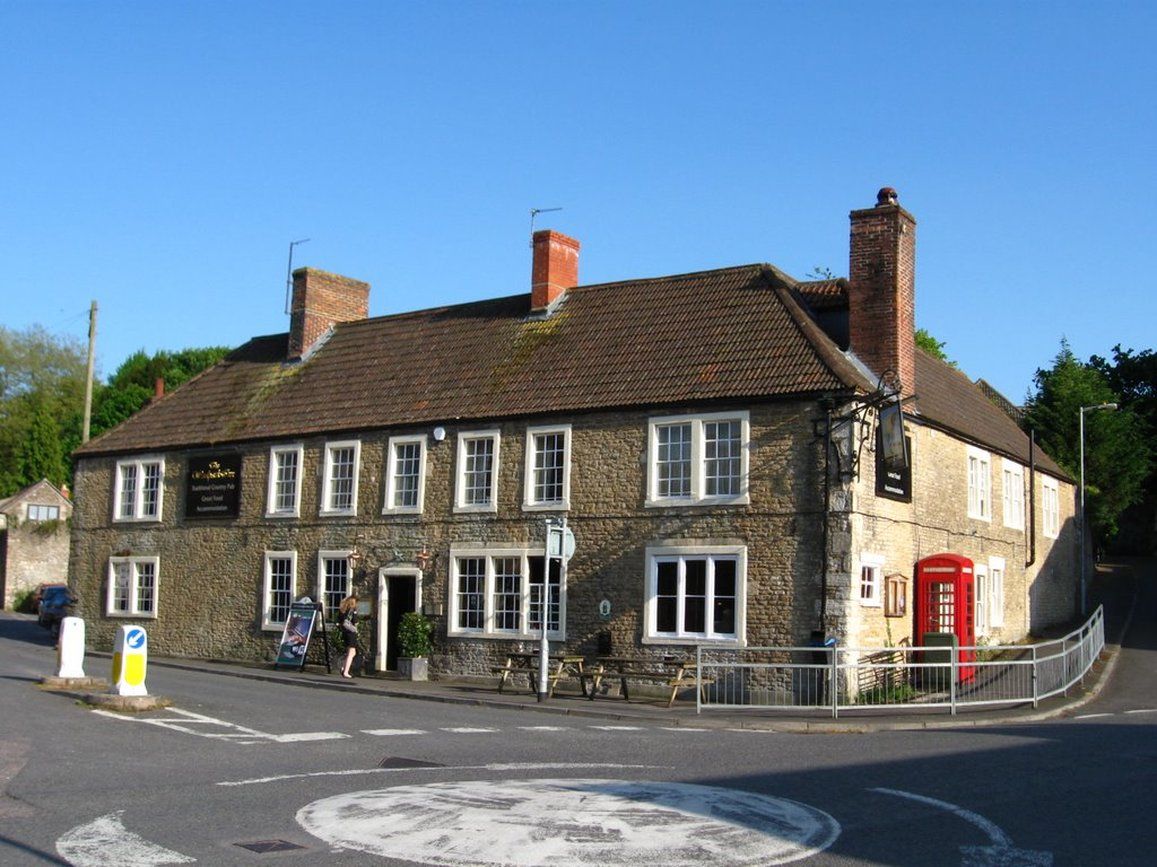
{"points": [[1083, 528]]}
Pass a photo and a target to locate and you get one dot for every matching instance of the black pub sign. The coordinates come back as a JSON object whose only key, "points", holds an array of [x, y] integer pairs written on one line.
{"points": [[893, 474], [213, 486]]}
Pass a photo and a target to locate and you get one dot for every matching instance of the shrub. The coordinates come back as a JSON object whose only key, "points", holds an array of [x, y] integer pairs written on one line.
{"points": [[414, 635]]}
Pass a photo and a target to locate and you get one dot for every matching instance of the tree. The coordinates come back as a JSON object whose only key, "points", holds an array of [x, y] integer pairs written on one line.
{"points": [[41, 392], [932, 346], [1117, 452]]}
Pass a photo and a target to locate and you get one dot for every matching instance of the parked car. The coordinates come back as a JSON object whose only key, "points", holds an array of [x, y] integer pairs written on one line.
{"points": [[56, 603]]}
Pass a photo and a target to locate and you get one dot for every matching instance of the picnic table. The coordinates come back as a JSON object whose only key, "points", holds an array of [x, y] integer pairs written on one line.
{"points": [[675, 672], [558, 667]]}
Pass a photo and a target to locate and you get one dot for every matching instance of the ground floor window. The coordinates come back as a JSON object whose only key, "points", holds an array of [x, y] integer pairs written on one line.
{"points": [[695, 593], [871, 580], [280, 585], [132, 587], [499, 593], [333, 580]]}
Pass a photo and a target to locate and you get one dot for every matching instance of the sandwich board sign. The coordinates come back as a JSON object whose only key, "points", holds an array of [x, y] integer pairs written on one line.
{"points": [[298, 630]]}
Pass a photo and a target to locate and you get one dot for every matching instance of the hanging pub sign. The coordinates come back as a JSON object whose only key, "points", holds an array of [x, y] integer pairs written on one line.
{"points": [[213, 486], [893, 477]]}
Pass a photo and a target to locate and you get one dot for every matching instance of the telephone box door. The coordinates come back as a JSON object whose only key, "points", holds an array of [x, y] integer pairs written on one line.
{"points": [[945, 600]]}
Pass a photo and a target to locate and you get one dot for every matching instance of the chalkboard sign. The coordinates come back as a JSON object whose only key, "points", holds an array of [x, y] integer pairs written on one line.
{"points": [[213, 486], [298, 630]]}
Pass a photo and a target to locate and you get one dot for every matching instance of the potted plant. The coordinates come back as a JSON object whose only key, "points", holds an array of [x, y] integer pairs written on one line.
{"points": [[414, 645]]}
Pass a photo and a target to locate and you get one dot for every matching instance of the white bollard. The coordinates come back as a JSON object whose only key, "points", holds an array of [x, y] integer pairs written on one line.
{"points": [[129, 657], [70, 648]]}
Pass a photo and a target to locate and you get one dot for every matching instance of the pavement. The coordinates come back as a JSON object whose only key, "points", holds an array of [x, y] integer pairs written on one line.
{"points": [[1115, 586]]}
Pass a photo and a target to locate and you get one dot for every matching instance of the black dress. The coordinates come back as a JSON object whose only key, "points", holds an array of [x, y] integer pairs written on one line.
{"points": [[349, 629]]}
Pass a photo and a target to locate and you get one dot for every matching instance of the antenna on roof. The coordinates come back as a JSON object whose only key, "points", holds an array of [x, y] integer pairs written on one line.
{"points": [[534, 212], [289, 273]]}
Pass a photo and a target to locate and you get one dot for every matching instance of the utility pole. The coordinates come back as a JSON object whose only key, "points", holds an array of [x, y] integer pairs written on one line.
{"points": [[88, 373]]}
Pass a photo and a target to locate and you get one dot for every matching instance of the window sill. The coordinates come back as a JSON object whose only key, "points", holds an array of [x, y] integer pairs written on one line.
{"points": [[130, 615], [693, 641]]}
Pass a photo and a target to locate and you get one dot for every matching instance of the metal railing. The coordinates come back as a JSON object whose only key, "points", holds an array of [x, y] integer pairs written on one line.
{"points": [[838, 679]]}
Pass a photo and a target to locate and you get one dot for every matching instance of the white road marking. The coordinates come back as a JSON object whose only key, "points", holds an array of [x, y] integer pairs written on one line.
{"points": [[571, 823], [1143, 710], [386, 733], [544, 728], [187, 722], [1092, 715], [105, 842], [682, 729], [617, 728], [467, 730], [1000, 852], [505, 767]]}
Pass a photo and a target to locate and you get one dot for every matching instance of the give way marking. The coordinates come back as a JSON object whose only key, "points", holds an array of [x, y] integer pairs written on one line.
{"points": [[105, 842], [999, 853], [571, 823], [209, 727]]}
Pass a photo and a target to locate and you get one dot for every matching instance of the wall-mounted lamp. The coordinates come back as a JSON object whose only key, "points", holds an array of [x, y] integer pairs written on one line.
{"points": [[439, 434]]}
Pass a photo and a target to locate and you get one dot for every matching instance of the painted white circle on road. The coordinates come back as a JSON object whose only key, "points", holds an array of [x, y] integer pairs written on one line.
{"points": [[568, 823]]}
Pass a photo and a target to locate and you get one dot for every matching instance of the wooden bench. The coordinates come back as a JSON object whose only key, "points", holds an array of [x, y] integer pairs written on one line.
{"points": [[682, 678], [527, 663]]}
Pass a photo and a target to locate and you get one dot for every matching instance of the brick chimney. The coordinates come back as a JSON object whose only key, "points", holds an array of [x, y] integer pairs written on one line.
{"points": [[882, 290], [321, 299], [555, 268]]}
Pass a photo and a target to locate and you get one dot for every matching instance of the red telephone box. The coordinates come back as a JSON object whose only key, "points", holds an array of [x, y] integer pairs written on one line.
{"points": [[945, 599]]}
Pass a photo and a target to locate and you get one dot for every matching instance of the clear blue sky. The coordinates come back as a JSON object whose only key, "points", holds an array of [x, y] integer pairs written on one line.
{"points": [[159, 157]]}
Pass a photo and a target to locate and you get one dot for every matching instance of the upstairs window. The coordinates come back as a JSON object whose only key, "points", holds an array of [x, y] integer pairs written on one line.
{"points": [[979, 481], [477, 484], [1013, 492], [547, 468], [406, 473], [42, 513], [1050, 507], [698, 460], [139, 489], [284, 495], [340, 489]]}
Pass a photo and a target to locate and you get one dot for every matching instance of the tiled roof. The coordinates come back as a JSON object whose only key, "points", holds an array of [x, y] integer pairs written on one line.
{"points": [[825, 294], [1016, 413], [949, 399], [725, 335]]}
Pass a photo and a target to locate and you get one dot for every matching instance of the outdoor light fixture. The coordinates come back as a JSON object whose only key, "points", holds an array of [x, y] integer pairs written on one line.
{"points": [[1084, 584]]}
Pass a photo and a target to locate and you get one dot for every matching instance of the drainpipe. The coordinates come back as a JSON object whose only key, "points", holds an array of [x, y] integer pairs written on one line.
{"points": [[820, 632], [1031, 498]]}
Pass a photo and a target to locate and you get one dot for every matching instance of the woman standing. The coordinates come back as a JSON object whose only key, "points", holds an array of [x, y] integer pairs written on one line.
{"points": [[348, 622]]}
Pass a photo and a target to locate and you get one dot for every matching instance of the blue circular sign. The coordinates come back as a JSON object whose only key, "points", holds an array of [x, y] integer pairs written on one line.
{"points": [[135, 638]]}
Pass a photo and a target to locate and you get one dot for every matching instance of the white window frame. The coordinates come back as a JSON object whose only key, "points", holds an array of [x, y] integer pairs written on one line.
{"points": [[138, 492], [267, 622], [996, 573], [271, 510], [322, 556], [674, 549], [388, 507], [460, 504], [698, 495], [489, 594], [981, 607], [978, 466], [327, 479], [134, 603], [872, 568], [1012, 478], [40, 513], [530, 503], [1050, 507]]}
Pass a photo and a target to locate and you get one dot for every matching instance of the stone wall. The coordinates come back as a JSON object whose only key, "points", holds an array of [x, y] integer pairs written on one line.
{"points": [[211, 571]]}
